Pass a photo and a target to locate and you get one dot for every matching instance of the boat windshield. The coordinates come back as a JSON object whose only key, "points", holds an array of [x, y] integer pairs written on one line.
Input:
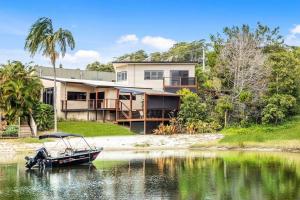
{"points": [[67, 146]]}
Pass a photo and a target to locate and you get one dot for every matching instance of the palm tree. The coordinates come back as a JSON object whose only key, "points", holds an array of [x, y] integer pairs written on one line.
{"points": [[42, 38], [19, 90]]}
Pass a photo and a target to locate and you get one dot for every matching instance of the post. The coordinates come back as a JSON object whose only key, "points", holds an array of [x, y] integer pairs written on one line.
{"points": [[19, 126], [117, 104], [103, 115], [130, 106], [145, 112]]}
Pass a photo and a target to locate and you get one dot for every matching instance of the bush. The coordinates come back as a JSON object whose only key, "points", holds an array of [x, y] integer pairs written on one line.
{"points": [[43, 115], [11, 131], [173, 128], [278, 108], [202, 127], [191, 109]]}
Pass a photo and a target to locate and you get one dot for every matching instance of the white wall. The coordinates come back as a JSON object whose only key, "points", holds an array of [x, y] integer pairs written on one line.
{"points": [[135, 73]]}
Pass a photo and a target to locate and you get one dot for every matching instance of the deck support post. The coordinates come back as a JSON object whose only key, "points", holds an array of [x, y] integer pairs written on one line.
{"points": [[145, 112], [130, 106], [117, 104], [103, 115]]}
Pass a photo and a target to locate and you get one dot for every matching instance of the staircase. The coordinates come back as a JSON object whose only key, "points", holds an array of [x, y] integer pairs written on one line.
{"points": [[25, 131]]}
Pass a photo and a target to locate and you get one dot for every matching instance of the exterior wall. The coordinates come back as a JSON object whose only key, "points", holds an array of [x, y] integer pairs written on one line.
{"points": [[135, 73], [75, 73], [62, 90], [49, 84]]}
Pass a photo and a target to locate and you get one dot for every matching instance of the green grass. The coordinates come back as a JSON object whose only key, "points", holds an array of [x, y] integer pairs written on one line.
{"points": [[289, 130], [91, 129], [29, 140]]}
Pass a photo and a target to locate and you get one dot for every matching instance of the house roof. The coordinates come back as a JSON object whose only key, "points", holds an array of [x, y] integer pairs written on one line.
{"points": [[155, 62], [93, 83], [121, 87]]}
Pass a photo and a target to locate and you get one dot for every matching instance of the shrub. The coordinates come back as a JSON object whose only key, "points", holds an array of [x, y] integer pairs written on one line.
{"points": [[43, 115], [173, 128], [202, 127], [3, 125], [278, 107], [11, 131], [191, 109]]}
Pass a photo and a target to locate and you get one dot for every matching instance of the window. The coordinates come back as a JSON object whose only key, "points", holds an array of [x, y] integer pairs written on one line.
{"points": [[126, 97], [77, 96], [153, 74], [122, 76], [48, 96]]}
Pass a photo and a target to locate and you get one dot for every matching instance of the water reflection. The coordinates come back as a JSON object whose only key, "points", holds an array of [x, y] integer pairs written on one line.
{"points": [[157, 175]]}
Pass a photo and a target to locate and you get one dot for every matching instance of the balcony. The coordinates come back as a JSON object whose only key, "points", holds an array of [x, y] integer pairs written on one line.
{"points": [[173, 84]]}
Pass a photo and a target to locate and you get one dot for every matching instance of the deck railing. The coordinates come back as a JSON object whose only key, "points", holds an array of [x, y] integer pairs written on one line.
{"points": [[91, 104], [179, 82]]}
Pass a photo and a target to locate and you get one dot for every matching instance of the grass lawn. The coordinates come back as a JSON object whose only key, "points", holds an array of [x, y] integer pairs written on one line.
{"points": [[262, 133], [91, 129], [284, 136]]}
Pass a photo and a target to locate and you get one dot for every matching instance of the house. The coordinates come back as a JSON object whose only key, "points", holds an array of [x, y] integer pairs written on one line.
{"points": [[163, 76], [142, 109], [142, 98]]}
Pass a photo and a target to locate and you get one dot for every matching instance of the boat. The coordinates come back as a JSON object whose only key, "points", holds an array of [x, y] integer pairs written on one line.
{"points": [[67, 157]]}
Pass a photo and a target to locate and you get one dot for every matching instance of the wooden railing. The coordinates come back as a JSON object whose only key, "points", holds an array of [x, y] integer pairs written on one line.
{"points": [[179, 82], [91, 104], [125, 112]]}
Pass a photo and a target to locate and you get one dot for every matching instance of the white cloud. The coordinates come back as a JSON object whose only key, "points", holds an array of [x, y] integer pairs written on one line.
{"points": [[296, 29], [158, 42], [81, 55], [79, 59], [293, 38], [128, 38]]}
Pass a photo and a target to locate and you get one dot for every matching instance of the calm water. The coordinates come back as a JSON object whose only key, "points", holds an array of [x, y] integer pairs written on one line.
{"points": [[159, 175]]}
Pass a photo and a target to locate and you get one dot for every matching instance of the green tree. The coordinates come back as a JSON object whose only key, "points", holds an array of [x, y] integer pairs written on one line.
{"points": [[185, 52], [191, 109], [156, 56], [223, 106], [283, 86], [19, 90], [97, 66], [42, 38], [137, 56]]}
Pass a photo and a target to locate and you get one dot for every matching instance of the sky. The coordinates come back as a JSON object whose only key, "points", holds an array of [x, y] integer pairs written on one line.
{"points": [[104, 29]]}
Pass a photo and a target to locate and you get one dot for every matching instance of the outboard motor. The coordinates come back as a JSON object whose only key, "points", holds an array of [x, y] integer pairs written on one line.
{"points": [[41, 154]]}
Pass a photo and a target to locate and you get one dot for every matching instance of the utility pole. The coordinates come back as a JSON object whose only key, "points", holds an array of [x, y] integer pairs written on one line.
{"points": [[203, 59]]}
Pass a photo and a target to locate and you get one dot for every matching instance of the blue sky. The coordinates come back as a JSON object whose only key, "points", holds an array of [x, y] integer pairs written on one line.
{"points": [[105, 29]]}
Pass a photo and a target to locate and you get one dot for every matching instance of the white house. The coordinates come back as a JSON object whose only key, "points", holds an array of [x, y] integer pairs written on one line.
{"points": [[164, 76]]}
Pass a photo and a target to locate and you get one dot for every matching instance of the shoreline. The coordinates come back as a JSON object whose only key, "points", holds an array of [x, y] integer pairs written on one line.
{"points": [[204, 142]]}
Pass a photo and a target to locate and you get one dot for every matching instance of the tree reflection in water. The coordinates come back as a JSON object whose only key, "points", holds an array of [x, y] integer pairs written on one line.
{"points": [[222, 176]]}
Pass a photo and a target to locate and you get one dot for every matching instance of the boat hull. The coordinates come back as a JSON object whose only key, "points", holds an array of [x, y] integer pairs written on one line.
{"points": [[77, 159]]}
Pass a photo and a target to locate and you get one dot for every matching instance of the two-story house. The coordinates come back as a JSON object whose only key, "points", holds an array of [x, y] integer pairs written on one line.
{"points": [[163, 76], [143, 96]]}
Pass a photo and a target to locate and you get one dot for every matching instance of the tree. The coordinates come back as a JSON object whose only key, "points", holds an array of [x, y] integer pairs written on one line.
{"points": [[223, 106], [185, 52], [97, 66], [42, 38], [19, 90], [137, 56], [283, 86], [191, 109]]}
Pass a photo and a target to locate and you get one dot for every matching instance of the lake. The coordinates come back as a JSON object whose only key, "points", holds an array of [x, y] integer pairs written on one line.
{"points": [[159, 175]]}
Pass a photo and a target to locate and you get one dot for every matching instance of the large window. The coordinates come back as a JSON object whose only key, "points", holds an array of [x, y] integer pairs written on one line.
{"points": [[153, 74], [48, 96], [122, 76], [77, 96], [126, 97]]}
